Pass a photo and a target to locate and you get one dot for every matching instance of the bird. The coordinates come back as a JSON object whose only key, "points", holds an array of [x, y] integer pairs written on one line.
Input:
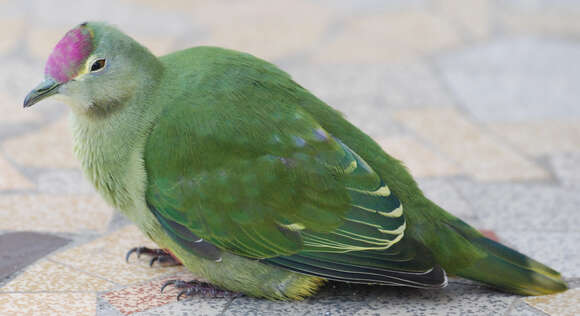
{"points": [[253, 183]]}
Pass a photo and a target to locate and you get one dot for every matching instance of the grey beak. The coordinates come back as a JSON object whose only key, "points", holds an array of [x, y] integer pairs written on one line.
{"points": [[44, 90]]}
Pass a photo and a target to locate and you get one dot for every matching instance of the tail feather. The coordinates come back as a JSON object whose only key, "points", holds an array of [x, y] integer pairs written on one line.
{"points": [[506, 268]]}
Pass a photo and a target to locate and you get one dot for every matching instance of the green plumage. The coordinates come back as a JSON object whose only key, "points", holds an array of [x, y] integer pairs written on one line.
{"points": [[260, 187]]}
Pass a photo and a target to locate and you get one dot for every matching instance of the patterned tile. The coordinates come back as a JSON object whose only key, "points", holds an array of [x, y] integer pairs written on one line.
{"points": [[47, 304], [540, 137], [52, 147], [145, 296], [198, 306], [561, 304], [20, 249], [49, 276], [421, 161], [388, 37], [105, 257], [478, 154], [54, 213], [11, 179]]}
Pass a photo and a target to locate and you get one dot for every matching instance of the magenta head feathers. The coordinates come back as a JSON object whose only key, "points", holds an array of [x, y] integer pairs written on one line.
{"points": [[70, 54]]}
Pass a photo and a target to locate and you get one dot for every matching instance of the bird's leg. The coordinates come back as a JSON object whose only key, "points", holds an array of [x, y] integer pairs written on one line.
{"points": [[162, 256], [191, 288]]}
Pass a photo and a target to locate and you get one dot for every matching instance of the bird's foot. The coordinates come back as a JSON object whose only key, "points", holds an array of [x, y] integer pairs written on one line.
{"points": [[191, 288], [163, 257]]}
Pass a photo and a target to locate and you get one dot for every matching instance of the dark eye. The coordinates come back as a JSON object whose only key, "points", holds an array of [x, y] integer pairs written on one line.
{"points": [[98, 65]]}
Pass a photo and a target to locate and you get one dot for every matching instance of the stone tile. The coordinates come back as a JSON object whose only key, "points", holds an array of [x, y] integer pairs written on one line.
{"points": [[63, 181], [10, 33], [343, 299], [23, 248], [47, 304], [50, 147], [105, 257], [56, 277], [388, 86], [523, 207], [53, 213], [147, 296], [263, 28], [472, 19], [566, 166], [419, 159], [388, 37], [11, 179], [12, 111], [195, 306], [540, 137], [531, 79], [469, 146], [443, 192], [521, 308], [562, 304], [563, 252]]}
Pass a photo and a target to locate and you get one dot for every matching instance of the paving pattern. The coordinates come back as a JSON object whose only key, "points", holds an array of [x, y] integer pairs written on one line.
{"points": [[480, 99]]}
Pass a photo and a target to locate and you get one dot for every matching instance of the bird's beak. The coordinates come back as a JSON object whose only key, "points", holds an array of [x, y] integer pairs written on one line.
{"points": [[44, 90]]}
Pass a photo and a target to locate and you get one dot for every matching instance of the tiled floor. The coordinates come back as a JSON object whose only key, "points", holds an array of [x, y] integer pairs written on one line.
{"points": [[479, 98]]}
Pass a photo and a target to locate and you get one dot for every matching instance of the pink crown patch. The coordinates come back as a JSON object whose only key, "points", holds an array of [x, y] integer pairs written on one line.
{"points": [[69, 54]]}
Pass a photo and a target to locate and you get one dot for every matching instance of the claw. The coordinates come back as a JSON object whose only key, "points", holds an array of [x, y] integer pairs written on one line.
{"points": [[166, 284], [130, 252], [153, 261]]}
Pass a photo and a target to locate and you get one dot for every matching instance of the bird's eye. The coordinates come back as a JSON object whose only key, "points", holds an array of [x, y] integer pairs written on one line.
{"points": [[98, 65]]}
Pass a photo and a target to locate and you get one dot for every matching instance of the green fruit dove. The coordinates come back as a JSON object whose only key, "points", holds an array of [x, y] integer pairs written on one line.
{"points": [[251, 182]]}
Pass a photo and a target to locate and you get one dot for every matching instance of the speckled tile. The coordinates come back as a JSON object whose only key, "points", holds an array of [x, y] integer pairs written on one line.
{"points": [[421, 160], [390, 37], [63, 181], [49, 276], [105, 257], [540, 137], [52, 147], [20, 249], [566, 166], [443, 193], [563, 254], [478, 154], [344, 299], [521, 308], [515, 79], [561, 304], [196, 306], [523, 207], [54, 213], [17, 304], [11, 179], [145, 296], [473, 19]]}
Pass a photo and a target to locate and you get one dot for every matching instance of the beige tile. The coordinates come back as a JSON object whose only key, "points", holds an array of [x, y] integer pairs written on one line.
{"points": [[264, 28], [12, 111], [106, 257], [389, 37], [48, 304], [10, 33], [50, 147], [548, 22], [11, 179], [561, 304], [541, 138], [421, 161], [54, 213], [41, 40], [48, 276], [159, 46], [473, 17], [478, 154]]}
